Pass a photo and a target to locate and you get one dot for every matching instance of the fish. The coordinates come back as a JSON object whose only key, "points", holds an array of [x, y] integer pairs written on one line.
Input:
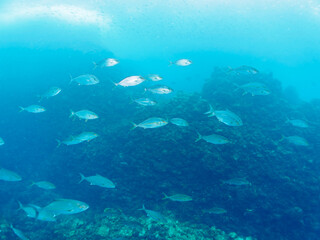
{"points": [[53, 91], [155, 77], [44, 185], [154, 122], [7, 175], [130, 81], [98, 180], [237, 182], [19, 233], [182, 62], [29, 210], [86, 79], [69, 141], [84, 114], [244, 69], [33, 109], [107, 62], [65, 207], [213, 138], [145, 101], [158, 217], [179, 122], [215, 210], [296, 140], [255, 89], [1, 141], [86, 136], [225, 116], [178, 197], [159, 90], [298, 123]]}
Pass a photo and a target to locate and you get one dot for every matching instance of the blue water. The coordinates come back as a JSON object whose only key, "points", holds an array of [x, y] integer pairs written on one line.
{"points": [[42, 43]]}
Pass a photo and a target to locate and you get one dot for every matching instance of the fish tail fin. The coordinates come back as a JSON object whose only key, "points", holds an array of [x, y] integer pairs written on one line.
{"points": [[210, 112], [171, 63], [132, 100], [237, 87], [199, 137], [134, 126], [113, 83], [145, 90], [59, 143], [72, 113], [229, 69], [82, 177], [143, 208], [71, 78], [95, 65], [40, 97], [287, 119], [21, 109], [165, 196], [282, 138], [20, 205]]}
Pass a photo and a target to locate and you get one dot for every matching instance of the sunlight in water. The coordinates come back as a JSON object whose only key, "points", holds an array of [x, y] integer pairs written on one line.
{"points": [[69, 13]]}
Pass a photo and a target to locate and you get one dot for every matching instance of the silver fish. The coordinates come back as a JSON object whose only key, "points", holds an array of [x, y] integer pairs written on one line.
{"points": [[178, 197], [159, 90], [69, 141], [215, 210], [237, 182], [44, 185], [255, 88], [225, 116], [53, 91], [1, 141], [296, 140], [33, 109], [182, 62], [86, 79], [244, 70], [213, 138], [84, 114], [155, 77], [19, 233], [107, 62], [298, 123], [98, 180], [130, 81], [7, 175], [154, 122], [145, 101], [179, 122], [65, 207], [158, 217]]}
